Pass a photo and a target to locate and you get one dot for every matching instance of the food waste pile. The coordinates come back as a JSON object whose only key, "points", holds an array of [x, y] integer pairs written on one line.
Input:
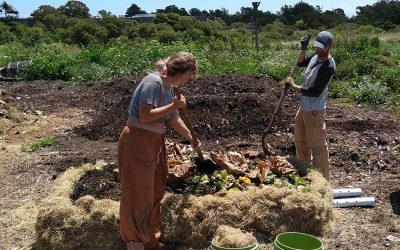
{"points": [[221, 173]]}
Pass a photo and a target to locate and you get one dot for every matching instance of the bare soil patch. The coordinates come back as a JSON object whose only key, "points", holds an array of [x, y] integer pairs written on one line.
{"points": [[229, 112]]}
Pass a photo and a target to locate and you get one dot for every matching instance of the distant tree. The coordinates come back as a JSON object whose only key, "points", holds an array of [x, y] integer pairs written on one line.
{"points": [[249, 15], [75, 8], [311, 15], [195, 12], [333, 18], [300, 11], [340, 12], [173, 9], [245, 15], [86, 31], [43, 11], [134, 10], [381, 12], [205, 13], [176, 21], [104, 13], [115, 26], [8, 9], [223, 14], [58, 25], [267, 17]]}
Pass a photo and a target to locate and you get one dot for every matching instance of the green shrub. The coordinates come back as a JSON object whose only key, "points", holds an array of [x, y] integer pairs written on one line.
{"points": [[50, 63], [276, 72], [94, 53], [34, 36], [147, 31], [167, 37], [354, 67], [339, 89], [345, 69], [15, 51], [390, 77], [85, 32], [6, 36], [194, 34], [358, 43], [369, 93], [368, 30], [81, 73]]}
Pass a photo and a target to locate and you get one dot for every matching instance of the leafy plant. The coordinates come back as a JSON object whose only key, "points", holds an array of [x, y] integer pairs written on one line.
{"points": [[367, 92], [269, 179], [47, 142], [222, 179], [199, 179]]}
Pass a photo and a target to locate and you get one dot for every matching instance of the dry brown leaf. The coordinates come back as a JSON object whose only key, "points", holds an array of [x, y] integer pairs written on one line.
{"points": [[180, 172], [280, 165], [222, 160]]}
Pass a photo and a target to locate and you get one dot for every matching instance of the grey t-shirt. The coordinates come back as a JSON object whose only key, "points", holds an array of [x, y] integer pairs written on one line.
{"points": [[151, 91], [316, 81]]}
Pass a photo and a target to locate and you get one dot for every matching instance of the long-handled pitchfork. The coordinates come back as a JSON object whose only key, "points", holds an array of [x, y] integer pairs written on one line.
{"points": [[283, 94]]}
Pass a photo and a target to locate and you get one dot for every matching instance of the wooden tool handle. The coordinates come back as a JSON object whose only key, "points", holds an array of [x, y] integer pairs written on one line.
{"points": [[278, 106], [186, 119]]}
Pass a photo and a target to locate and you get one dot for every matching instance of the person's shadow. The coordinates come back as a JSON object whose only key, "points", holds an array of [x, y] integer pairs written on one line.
{"points": [[395, 202]]}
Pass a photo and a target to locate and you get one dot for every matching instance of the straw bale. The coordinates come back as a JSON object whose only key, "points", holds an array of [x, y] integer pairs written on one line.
{"points": [[191, 221], [85, 202], [87, 224], [230, 237], [187, 221]]}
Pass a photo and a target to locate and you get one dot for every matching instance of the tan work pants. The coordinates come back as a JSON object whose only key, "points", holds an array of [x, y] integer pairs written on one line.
{"points": [[143, 173], [310, 140]]}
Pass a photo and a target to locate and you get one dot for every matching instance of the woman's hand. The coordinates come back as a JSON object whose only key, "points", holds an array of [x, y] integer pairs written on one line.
{"points": [[196, 145], [179, 102]]}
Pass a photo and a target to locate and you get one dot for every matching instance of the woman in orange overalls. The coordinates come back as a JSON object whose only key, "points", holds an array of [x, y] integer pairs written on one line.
{"points": [[141, 149]]}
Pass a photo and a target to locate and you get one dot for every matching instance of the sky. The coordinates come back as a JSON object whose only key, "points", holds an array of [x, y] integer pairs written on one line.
{"points": [[119, 7]]}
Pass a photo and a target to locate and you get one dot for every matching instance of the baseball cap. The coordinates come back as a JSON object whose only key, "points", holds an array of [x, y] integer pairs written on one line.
{"points": [[323, 40]]}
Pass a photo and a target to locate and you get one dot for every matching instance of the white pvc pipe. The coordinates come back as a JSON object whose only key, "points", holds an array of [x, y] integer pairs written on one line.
{"points": [[347, 192], [354, 202]]}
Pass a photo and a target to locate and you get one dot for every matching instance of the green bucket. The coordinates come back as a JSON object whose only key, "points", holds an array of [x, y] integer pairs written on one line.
{"points": [[215, 247], [297, 241]]}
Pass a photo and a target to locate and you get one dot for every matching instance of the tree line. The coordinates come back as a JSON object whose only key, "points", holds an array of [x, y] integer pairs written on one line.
{"points": [[72, 23], [384, 14]]}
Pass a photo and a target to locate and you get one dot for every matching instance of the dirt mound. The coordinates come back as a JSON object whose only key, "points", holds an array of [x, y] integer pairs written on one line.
{"points": [[219, 106], [227, 111]]}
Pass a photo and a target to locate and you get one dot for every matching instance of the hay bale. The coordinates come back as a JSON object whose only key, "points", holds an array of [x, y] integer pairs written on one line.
{"points": [[191, 221], [87, 224], [230, 237], [187, 221]]}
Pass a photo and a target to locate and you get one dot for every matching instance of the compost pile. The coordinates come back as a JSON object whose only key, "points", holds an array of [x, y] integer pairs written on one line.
{"points": [[188, 221], [229, 171], [219, 173]]}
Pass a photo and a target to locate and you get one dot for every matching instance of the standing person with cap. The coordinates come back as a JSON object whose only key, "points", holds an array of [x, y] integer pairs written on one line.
{"points": [[310, 128], [141, 149]]}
